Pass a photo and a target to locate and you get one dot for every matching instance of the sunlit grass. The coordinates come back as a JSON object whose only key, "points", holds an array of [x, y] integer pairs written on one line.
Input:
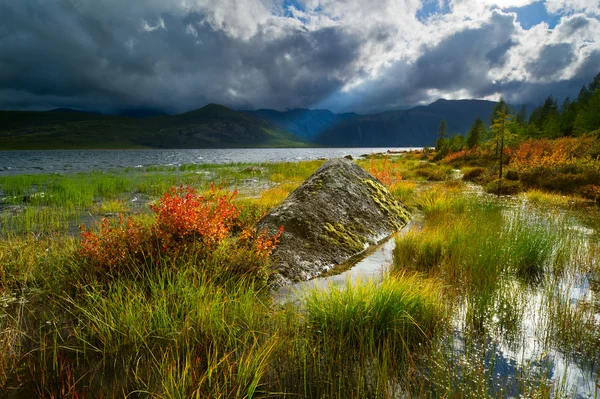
{"points": [[493, 258], [111, 206], [467, 240], [38, 220], [462, 290], [31, 259], [539, 197], [438, 200], [403, 307], [173, 333], [404, 191], [291, 171], [276, 195]]}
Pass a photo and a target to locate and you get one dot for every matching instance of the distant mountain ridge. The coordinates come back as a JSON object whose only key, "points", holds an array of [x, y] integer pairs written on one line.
{"points": [[414, 127], [213, 126], [216, 126]]}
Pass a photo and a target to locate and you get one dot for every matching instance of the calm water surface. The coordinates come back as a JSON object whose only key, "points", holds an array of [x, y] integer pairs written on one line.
{"points": [[530, 352], [67, 161]]}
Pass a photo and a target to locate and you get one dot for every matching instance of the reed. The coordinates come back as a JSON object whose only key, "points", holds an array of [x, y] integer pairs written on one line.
{"points": [[403, 307], [544, 198], [467, 283]]}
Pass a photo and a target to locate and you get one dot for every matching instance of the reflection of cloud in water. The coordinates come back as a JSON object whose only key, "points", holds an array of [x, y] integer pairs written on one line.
{"points": [[530, 347]]}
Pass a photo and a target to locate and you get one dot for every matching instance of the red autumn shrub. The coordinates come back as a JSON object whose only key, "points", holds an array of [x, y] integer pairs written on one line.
{"points": [[548, 154], [185, 220], [385, 172], [561, 165], [466, 155], [115, 245], [183, 216]]}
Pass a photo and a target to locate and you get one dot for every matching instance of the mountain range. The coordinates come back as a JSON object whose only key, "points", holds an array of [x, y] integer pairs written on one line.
{"points": [[216, 126], [213, 126]]}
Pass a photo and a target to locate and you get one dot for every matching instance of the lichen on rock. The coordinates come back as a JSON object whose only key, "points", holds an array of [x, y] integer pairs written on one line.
{"points": [[334, 215]]}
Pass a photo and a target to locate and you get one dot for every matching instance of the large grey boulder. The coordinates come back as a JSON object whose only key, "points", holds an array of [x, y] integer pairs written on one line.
{"points": [[335, 214]]}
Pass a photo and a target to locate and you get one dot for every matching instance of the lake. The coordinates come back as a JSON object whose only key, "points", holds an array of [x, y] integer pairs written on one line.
{"points": [[69, 161]]}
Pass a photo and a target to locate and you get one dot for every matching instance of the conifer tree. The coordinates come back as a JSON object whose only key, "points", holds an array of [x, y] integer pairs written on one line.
{"points": [[441, 144], [476, 133], [501, 132]]}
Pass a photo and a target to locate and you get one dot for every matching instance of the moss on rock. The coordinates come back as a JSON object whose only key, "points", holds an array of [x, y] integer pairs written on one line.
{"points": [[387, 203], [345, 237], [335, 214]]}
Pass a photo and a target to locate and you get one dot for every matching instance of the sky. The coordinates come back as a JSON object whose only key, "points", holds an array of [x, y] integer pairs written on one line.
{"points": [[362, 56]]}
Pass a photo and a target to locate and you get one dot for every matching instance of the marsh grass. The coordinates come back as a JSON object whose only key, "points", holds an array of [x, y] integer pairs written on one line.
{"points": [[110, 207], [439, 200], [145, 327], [23, 220], [177, 331], [359, 341], [274, 196], [404, 308], [544, 198], [30, 260], [574, 327], [467, 239], [291, 171], [494, 258], [405, 191], [464, 288]]}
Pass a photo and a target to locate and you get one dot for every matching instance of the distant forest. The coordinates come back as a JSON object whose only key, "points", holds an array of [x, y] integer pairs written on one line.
{"points": [[549, 120]]}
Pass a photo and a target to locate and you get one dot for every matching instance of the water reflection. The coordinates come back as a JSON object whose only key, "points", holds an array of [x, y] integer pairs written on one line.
{"points": [[524, 337]]}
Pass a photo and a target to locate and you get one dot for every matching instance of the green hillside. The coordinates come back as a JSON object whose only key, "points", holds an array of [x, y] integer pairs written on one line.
{"points": [[218, 126], [213, 126]]}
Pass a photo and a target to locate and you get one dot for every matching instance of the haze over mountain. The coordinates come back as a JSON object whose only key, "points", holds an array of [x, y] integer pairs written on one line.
{"points": [[304, 123]]}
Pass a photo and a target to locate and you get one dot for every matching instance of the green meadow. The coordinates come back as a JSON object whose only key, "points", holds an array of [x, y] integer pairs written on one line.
{"points": [[488, 296]]}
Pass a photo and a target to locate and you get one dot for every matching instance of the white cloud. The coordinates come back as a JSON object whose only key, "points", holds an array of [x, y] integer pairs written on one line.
{"points": [[509, 3], [477, 5], [191, 30], [148, 28], [571, 6]]}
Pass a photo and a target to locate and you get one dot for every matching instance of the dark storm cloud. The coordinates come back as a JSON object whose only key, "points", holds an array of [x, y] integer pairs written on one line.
{"points": [[497, 55], [523, 92], [553, 59], [590, 67], [463, 59], [458, 62], [56, 53], [111, 55]]}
